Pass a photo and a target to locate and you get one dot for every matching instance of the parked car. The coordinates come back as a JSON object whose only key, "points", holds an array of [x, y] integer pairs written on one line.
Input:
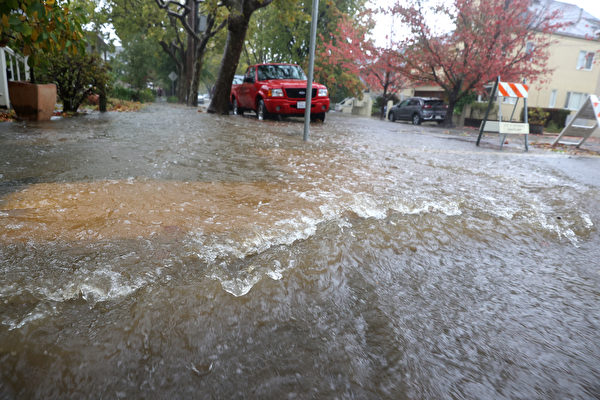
{"points": [[203, 98], [419, 109], [237, 79], [278, 89]]}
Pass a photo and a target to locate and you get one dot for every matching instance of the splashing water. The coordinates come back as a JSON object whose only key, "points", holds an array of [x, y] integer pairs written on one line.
{"points": [[171, 253]]}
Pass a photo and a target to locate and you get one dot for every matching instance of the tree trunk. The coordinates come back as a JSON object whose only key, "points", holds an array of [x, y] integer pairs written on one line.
{"points": [[181, 87], [196, 76], [198, 62], [102, 101], [237, 26], [384, 101], [452, 99], [67, 106], [385, 95]]}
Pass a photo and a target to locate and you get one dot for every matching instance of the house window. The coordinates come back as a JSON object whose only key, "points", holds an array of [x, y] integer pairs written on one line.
{"points": [[575, 100], [552, 103], [529, 48], [585, 60]]}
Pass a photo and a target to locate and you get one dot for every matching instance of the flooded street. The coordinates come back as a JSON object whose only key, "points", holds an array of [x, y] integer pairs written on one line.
{"points": [[174, 254]]}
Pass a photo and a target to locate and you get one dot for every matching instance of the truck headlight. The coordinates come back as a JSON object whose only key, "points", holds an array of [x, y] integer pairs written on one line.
{"points": [[322, 93], [275, 93]]}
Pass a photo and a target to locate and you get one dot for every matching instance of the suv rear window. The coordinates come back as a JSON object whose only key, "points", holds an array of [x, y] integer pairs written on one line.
{"points": [[434, 102]]}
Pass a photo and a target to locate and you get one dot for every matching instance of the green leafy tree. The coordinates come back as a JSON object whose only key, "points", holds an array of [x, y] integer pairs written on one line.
{"points": [[212, 62], [142, 27], [41, 26], [175, 27], [282, 33], [140, 60], [196, 38], [97, 29], [275, 33]]}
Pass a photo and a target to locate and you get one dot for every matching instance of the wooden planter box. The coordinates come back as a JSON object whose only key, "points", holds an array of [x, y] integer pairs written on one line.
{"points": [[31, 101]]}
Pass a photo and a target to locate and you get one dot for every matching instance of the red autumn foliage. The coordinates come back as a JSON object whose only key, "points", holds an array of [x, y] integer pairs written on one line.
{"points": [[352, 53]]}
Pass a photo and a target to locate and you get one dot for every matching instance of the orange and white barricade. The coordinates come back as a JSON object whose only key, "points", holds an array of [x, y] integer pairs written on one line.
{"points": [[583, 123], [506, 127]]}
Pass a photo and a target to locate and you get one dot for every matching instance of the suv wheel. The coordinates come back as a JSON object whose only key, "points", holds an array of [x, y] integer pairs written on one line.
{"points": [[392, 116], [416, 119], [261, 110]]}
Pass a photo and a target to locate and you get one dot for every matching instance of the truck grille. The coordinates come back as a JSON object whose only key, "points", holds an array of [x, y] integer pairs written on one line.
{"points": [[299, 93]]}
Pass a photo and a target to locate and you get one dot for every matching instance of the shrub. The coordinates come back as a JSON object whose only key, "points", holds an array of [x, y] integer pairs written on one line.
{"points": [[379, 102], [146, 96], [76, 77], [553, 127], [538, 116], [464, 101], [123, 93], [479, 109], [172, 99], [556, 115]]}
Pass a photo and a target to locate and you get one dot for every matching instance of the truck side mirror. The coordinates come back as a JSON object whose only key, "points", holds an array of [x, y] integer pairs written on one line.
{"points": [[248, 79]]}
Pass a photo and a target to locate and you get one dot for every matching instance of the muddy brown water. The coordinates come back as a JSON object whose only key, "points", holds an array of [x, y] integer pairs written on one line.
{"points": [[175, 254]]}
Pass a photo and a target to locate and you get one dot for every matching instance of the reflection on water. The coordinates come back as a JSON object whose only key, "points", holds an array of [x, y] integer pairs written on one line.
{"points": [[175, 254]]}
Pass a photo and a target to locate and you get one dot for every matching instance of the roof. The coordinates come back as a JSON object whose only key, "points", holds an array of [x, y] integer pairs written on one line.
{"points": [[581, 24]]}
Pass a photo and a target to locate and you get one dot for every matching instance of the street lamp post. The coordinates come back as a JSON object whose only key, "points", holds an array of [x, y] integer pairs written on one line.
{"points": [[311, 67]]}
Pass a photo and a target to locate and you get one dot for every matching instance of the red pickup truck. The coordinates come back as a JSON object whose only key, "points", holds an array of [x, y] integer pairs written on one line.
{"points": [[278, 89]]}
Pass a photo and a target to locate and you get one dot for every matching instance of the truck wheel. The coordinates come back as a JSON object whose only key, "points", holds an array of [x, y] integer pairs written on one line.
{"points": [[416, 119], [236, 109], [261, 110], [317, 117]]}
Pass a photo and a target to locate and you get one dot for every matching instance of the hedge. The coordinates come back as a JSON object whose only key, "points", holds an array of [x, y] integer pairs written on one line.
{"points": [[557, 116], [123, 93]]}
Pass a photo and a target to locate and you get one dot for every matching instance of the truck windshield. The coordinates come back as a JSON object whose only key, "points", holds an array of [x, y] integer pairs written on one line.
{"points": [[267, 72]]}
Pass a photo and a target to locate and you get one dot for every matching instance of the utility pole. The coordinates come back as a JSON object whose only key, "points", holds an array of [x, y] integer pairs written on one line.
{"points": [[311, 67]]}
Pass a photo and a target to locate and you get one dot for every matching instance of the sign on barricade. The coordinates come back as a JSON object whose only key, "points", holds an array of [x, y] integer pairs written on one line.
{"points": [[583, 124]]}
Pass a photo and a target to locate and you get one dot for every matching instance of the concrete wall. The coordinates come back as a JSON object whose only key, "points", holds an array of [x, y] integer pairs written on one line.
{"points": [[363, 107], [356, 106]]}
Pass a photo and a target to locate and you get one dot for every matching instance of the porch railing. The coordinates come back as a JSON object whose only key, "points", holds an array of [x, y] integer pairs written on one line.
{"points": [[13, 67]]}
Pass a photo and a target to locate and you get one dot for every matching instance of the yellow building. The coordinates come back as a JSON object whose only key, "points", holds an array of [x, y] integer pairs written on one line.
{"points": [[574, 59]]}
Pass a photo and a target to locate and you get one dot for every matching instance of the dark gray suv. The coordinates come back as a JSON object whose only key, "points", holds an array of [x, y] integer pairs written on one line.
{"points": [[419, 109]]}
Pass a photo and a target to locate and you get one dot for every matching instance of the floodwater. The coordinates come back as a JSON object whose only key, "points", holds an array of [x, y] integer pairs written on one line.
{"points": [[174, 254]]}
